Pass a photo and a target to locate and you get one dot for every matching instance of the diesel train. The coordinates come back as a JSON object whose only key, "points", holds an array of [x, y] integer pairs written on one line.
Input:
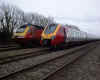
{"points": [[28, 34], [57, 34]]}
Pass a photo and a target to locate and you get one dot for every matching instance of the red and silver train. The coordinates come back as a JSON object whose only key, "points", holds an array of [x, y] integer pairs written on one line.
{"points": [[28, 34], [57, 34]]}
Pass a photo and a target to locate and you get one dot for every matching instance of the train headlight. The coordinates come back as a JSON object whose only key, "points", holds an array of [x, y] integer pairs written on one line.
{"points": [[53, 37]]}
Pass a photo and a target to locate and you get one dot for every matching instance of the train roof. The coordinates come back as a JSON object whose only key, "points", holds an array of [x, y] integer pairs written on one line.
{"points": [[66, 26], [72, 27], [33, 25], [52, 24]]}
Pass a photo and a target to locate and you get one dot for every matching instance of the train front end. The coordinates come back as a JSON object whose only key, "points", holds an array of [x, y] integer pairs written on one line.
{"points": [[22, 34], [52, 36]]}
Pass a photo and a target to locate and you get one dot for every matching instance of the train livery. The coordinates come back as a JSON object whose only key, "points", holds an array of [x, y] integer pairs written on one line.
{"points": [[28, 34], [57, 34]]}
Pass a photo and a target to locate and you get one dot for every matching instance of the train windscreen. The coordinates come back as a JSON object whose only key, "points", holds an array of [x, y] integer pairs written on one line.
{"points": [[21, 29], [50, 29]]}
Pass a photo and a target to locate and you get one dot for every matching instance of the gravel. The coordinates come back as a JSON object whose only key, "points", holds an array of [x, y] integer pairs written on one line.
{"points": [[42, 71], [9, 68], [86, 68]]}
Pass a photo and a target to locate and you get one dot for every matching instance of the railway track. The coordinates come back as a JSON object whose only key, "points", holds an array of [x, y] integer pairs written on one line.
{"points": [[23, 55], [8, 44], [13, 46], [20, 54], [23, 66], [70, 60], [12, 53], [7, 65], [8, 48]]}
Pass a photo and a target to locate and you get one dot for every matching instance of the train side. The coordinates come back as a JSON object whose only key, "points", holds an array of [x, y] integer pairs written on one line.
{"points": [[57, 34], [28, 34], [73, 35]]}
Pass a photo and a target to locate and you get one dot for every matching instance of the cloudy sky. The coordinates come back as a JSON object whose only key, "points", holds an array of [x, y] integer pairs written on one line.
{"points": [[83, 13]]}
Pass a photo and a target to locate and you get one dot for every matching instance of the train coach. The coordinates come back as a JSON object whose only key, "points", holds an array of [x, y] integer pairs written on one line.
{"points": [[28, 34], [55, 35]]}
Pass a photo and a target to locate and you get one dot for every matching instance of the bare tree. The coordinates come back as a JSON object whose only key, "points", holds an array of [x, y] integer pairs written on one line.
{"points": [[37, 19], [9, 19], [12, 17]]}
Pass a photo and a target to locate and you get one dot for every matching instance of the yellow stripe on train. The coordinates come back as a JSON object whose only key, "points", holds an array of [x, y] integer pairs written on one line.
{"points": [[22, 34], [48, 36]]}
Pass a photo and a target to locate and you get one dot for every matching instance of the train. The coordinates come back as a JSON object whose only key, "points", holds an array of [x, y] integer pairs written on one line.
{"points": [[55, 35], [28, 34]]}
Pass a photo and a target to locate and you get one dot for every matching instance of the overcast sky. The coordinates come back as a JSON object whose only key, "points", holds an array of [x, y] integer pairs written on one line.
{"points": [[83, 13]]}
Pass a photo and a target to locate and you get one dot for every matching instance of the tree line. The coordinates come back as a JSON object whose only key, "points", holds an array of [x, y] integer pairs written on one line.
{"points": [[11, 17]]}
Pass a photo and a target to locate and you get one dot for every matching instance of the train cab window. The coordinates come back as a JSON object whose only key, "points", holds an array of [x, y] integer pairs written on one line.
{"points": [[39, 27], [50, 29], [24, 26], [21, 29]]}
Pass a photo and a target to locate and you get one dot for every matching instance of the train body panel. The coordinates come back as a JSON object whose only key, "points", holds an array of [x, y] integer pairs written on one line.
{"points": [[56, 34], [74, 35]]}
